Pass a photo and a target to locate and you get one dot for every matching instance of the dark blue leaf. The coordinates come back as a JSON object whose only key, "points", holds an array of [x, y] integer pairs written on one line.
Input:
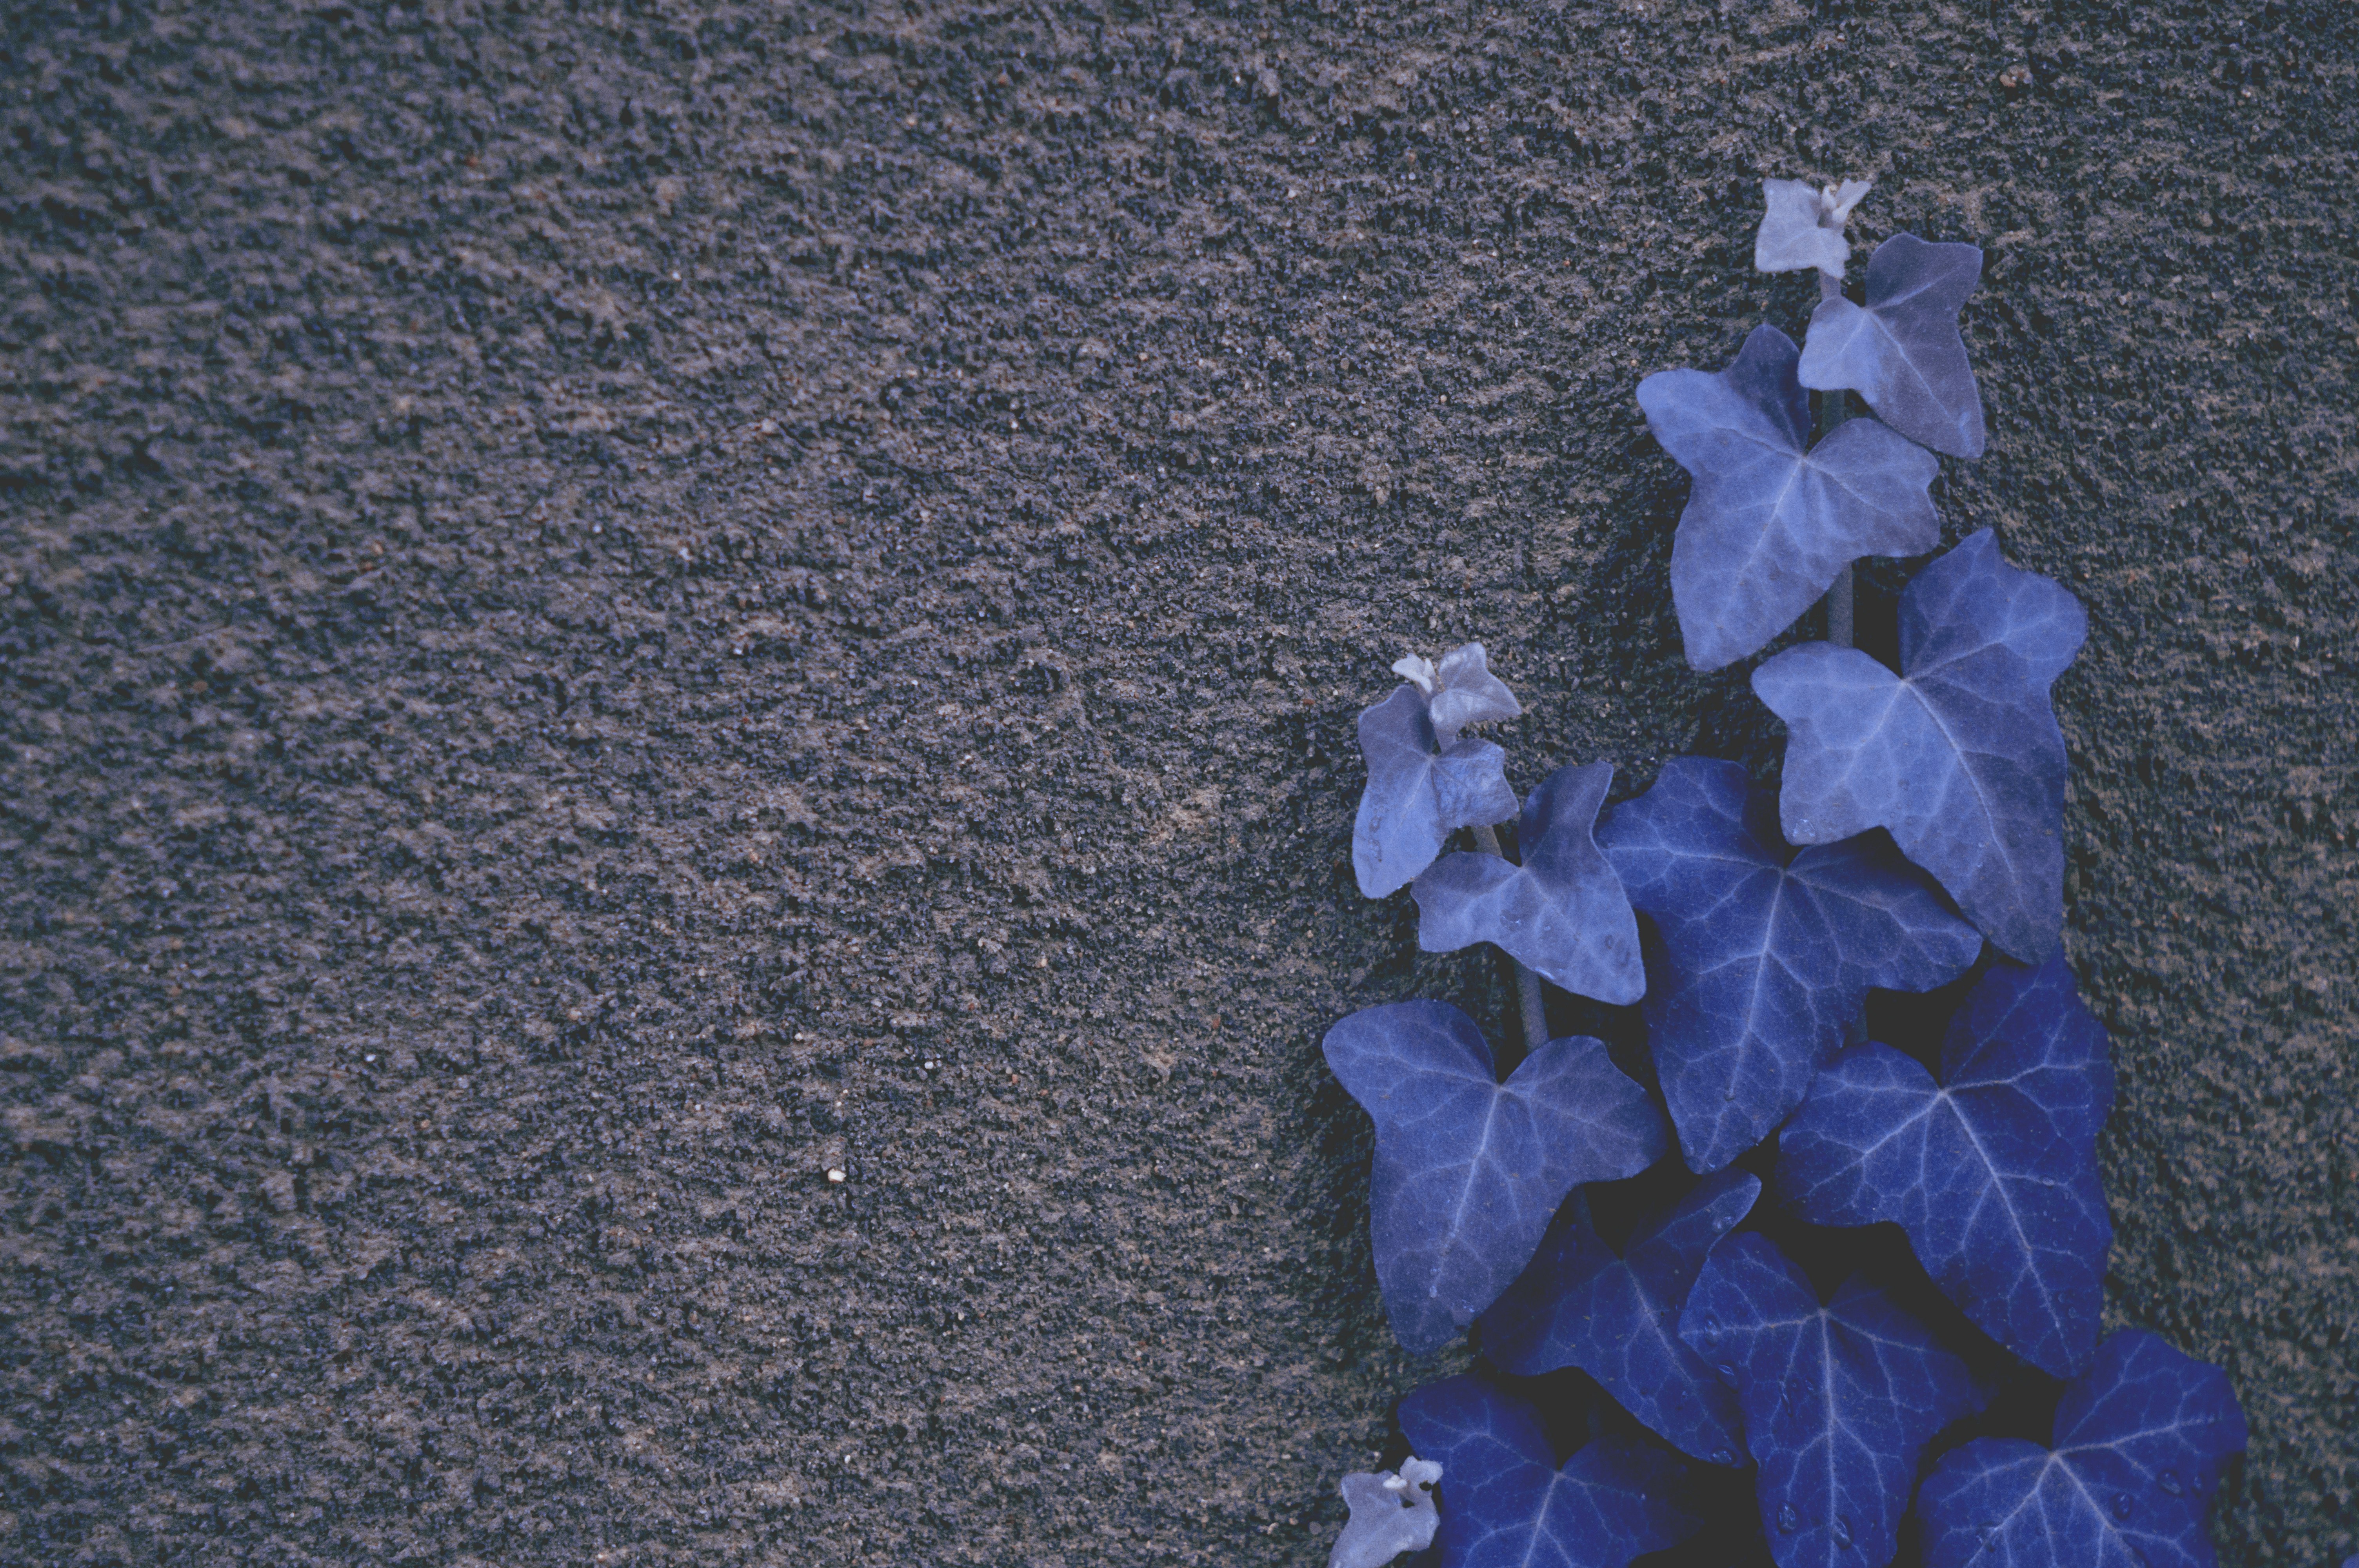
{"points": [[1901, 350], [1418, 794], [1839, 1400], [2140, 1440], [1469, 1170], [1961, 759], [1768, 525], [1616, 1318], [1993, 1172], [1563, 911], [1505, 1503], [1764, 960]]}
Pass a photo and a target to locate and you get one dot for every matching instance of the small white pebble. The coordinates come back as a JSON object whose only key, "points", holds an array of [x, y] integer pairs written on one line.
{"points": [[834, 1173]]}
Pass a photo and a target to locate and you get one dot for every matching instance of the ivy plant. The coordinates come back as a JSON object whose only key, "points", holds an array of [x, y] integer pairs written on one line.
{"points": [[1668, 1263]]}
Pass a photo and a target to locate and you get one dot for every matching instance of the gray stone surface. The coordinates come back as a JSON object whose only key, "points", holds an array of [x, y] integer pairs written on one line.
{"points": [[605, 609]]}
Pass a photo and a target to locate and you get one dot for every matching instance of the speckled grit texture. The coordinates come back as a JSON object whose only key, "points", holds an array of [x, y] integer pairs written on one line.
{"points": [[605, 607]]}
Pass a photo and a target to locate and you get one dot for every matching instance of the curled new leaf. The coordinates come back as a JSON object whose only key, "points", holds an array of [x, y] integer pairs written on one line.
{"points": [[1992, 1171], [2139, 1442], [1459, 691], [1507, 1504], [1469, 1170], [1390, 1515], [1801, 227], [1418, 793], [1960, 755], [1765, 956], [1901, 350], [1839, 1400], [1563, 911], [1616, 1317], [1769, 524]]}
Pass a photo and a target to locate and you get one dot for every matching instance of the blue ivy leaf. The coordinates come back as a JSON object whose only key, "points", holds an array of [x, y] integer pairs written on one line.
{"points": [[1616, 1318], [1992, 1171], [1469, 1170], [1505, 1503], [1960, 756], [1562, 911], [1901, 350], [1418, 793], [1839, 1400], [1769, 524], [2140, 1440], [1765, 956]]}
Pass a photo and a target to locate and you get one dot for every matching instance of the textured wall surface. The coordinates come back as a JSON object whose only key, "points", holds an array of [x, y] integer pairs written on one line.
{"points": [[605, 606]]}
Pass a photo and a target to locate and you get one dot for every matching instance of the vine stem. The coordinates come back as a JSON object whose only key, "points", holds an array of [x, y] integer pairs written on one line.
{"points": [[1834, 408], [1528, 984]]}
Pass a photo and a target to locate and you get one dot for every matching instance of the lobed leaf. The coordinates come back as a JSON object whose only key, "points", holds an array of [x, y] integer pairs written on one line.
{"points": [[1768, 525], [1563, 911], [1902, 351], [1839, 1400], [1418, 793], [1507, 1504], [1616, 1318], [2140, 1440], [1764, 958], [1469, 1170], [1992, 1172], [1960, 756]]}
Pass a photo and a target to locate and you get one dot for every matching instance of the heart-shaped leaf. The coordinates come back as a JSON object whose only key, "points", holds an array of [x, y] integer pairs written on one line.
{"points": [[1901, 350], [1992, 1171], [1616, 1317], [1960, 756], [1839, 1400], [1419, 794], [1763, 958], [1505, 1502], [1469, 1170], [1769, 524], [2140, 1440], [1563, 911]]}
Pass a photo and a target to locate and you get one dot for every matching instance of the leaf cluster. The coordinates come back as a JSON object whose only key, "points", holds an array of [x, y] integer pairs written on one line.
{"points": [[1657, 1337]]}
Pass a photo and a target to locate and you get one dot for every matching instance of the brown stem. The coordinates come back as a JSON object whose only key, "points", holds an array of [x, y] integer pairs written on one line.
{"points": [[1528, 984]]}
